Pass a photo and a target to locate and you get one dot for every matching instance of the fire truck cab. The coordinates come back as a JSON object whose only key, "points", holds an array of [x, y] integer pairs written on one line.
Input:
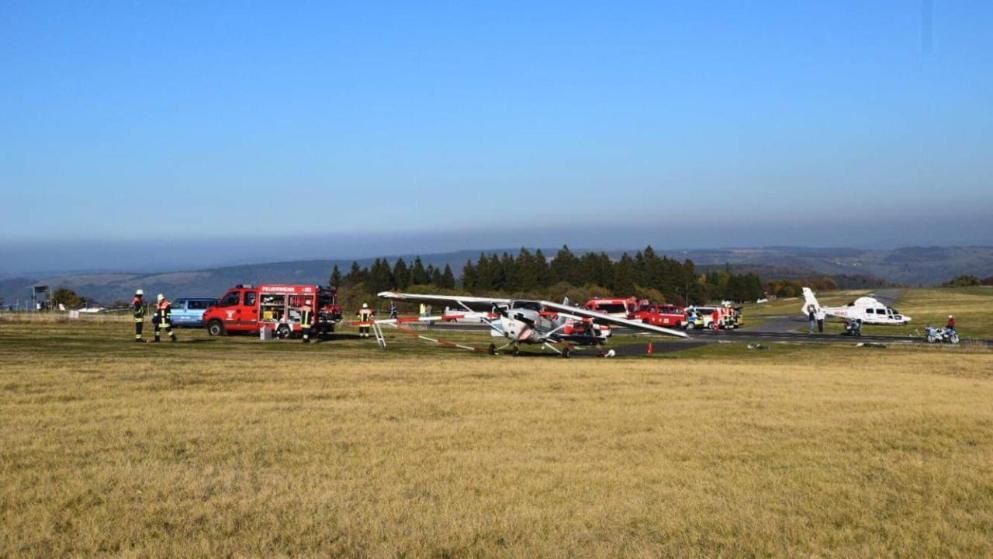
{"points": [[620, 308], [248, 308]]}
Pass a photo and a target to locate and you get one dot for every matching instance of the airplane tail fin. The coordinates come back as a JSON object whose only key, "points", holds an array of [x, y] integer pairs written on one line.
{"points": [[809, 301]]}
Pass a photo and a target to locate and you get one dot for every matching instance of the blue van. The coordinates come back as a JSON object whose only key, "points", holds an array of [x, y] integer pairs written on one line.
{"points": [[188, 311]]}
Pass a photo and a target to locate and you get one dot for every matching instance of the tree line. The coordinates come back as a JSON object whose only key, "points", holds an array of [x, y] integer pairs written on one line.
{"points": [[967, 280], [380, 276], [644, 274]]}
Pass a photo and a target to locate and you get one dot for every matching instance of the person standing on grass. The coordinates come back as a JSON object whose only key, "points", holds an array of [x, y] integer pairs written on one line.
{"points": [[138, 312], [950, 325], [365, 317], [163, 318], [811, 319], [820, 315]]}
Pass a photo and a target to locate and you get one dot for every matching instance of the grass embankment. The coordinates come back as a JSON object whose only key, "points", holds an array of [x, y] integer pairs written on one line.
{"points": [[233, 447]]}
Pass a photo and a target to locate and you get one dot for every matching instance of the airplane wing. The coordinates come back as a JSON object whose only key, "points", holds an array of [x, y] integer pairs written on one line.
{"points": [[456, 300], [601, 318], [453, 300]]}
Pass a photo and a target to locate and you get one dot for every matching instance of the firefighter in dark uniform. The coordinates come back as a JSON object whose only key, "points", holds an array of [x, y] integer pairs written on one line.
{"points": [[138, 311], [163, 318], [306, 321]]}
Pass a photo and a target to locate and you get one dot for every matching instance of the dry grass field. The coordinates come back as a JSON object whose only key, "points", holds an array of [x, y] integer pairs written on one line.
{"points": [[230, 447]]}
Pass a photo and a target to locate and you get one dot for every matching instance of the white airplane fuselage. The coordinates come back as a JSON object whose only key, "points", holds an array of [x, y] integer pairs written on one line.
{"points": [[522, 324]]}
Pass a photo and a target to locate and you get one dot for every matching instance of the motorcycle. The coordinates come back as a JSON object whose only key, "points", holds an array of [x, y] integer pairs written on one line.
{"points": [[941, 335]]}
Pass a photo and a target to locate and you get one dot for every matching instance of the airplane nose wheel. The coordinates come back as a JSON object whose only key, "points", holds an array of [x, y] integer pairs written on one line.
{"points": [[492, 349], [566, 353], [516, 351]]}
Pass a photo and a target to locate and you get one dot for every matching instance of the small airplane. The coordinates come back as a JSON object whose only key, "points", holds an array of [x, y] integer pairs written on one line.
{"points": [[868, 309], [537, 322]]}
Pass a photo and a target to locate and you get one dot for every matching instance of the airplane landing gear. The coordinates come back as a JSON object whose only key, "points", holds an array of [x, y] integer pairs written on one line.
{"points": [[492, 349]]}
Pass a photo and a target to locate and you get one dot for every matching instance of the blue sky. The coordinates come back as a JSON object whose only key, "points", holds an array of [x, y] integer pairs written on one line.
{"points": [[194, 121]]}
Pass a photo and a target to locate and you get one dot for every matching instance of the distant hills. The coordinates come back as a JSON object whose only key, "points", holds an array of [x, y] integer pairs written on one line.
{"points": [[905, 266]]}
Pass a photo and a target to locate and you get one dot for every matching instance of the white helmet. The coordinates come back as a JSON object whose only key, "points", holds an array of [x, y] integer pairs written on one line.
{"points": [[159, 297], [365, 305], [139, 292], [950, 316]]}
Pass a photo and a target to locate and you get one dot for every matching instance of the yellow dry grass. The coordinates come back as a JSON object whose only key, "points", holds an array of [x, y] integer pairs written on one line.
{"points": [[235, 448]]}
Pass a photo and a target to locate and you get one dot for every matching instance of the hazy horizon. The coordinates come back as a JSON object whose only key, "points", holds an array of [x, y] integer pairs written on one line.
{"points": [[39, 257]]}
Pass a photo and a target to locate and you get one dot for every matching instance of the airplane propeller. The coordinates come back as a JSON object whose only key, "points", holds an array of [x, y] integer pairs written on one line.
{"points": [[521, 318]]}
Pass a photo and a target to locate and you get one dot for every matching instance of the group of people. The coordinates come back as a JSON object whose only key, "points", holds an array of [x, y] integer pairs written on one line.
{"points": [[161, 320], [815, 317]]}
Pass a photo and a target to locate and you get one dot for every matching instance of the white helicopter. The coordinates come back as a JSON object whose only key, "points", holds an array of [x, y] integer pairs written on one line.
{"points": [[537, 322], [868, 309]]}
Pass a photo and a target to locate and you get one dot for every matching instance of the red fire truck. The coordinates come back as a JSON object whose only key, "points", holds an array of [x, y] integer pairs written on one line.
{"points": [[621, 308], [248, 308], [671, 316]]}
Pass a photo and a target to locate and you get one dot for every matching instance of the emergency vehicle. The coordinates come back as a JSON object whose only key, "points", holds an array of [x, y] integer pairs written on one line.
{"points": [[723, 317], [249, 308], [731, 316], [620, 308], [662, 315], [703, 317]]}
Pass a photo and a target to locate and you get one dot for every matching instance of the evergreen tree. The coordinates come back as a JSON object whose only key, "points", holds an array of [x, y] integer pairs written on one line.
{"points": [[670, 274], [595, 268], [356, 274], [380, 276], [625, 272], [486, 273], [401, 274], [565, 267], [526, 274], [334, 281], [509, 274], [436, 278], [418, 275], [447, 278], [470, 276], [540, 263]]}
